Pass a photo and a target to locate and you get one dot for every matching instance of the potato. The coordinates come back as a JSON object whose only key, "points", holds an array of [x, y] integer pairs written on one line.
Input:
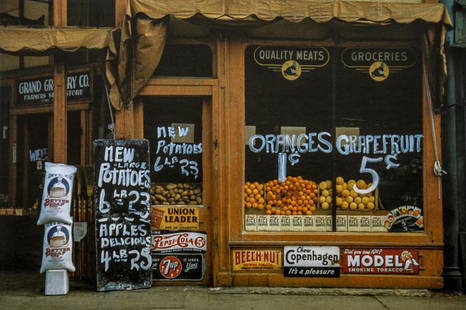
{"points": [[171, 186]]}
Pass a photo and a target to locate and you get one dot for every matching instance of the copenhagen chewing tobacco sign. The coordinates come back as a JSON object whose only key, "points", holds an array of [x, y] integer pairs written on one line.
{"points": [[41, 90], [378, 63], [292, 62], [312, 261]]}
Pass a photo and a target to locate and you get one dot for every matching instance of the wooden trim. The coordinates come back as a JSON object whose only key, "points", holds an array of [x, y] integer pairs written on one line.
{"points": [[124, 122], [182, 81], [13, 160], [60, 117], [177, 91], [48, 108], [59, 13]]}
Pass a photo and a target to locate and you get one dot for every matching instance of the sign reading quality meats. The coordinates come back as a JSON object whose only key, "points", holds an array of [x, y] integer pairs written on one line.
{"points": [[312, 261], [179, 242]]}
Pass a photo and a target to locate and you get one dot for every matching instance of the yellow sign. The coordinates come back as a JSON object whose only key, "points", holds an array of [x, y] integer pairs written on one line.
{"points": [[379, 71], [252, 259], [291, 70], [174, 218]]}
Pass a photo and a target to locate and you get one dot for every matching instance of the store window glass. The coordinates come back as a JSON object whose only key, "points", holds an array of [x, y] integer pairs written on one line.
{"points": [[333, 140], [174, 130], [193, 60]]}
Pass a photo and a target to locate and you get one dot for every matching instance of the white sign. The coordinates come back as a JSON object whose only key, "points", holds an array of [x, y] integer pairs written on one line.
{"points": [[312, 256], [180, 241]]}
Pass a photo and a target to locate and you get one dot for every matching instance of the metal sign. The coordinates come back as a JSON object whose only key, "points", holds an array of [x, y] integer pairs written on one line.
{"points": [[398, 261], [311, 261], [178, 267], [179, 242], [254, 259], [175, 218]]}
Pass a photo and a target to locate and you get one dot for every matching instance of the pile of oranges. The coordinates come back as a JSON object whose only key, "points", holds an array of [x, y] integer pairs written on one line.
{"points": [[254, 195], [294, 196]]}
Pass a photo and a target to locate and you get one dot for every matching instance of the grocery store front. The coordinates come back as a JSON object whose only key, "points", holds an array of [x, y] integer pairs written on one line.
{"points": [[307, 145]]}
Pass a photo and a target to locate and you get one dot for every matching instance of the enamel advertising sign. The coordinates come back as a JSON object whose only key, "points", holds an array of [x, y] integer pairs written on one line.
{"points": [[253, 259], [179, 242], [392, 261], [312, 261]]}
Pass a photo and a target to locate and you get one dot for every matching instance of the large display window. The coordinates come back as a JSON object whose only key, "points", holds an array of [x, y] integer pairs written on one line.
{"points": [[333, 139]]}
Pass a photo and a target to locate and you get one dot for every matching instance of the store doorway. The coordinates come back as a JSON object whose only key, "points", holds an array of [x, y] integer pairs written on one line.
{"points": [[179, 133], [32, 149]]}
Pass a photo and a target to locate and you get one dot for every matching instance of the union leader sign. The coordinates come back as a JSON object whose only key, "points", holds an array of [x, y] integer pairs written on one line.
{"points": [[399, 261]]}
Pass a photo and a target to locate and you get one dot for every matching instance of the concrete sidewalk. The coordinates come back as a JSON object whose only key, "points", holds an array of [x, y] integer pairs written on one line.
{"points": [[25, 291]]}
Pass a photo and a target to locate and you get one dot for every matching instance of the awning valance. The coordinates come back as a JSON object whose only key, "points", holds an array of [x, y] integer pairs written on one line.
{"points": [[144, 30], [46, 41], [295, 10]]}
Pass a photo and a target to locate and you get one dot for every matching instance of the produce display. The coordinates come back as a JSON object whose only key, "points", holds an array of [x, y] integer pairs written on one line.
{"points": [[294, 196], [297, 196], [348, 198], [176, 194]]}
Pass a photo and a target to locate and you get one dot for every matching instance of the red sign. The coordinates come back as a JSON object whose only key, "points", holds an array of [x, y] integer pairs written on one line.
{"points": [[170, 267], [400, 261]]}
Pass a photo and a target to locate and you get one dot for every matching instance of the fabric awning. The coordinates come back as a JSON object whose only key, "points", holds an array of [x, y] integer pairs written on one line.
{"points": [[45, 41], [294, 10], [144, 30]]}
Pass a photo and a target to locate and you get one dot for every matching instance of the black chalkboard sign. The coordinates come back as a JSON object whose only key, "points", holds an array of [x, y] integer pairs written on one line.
{"points": [[122, 214]]}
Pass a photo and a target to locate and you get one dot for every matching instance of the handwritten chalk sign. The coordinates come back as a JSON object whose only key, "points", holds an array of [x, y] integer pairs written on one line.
{"points": [[122, 214], [174, 150]]}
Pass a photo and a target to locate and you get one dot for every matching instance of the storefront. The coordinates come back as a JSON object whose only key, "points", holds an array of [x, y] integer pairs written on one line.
{"points": [[289, 146]]}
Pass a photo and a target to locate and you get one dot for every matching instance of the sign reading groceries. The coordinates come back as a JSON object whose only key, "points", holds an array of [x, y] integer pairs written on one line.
{"points": [[400, 261], [312, 261]]}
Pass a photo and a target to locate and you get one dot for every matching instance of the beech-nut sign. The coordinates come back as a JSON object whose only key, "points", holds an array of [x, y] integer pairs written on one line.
{"points": [[291, 61], [379, 63], [179, 242]]}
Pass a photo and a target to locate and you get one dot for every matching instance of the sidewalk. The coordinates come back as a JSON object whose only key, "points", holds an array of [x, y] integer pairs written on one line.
{"points": [[25, 291]]}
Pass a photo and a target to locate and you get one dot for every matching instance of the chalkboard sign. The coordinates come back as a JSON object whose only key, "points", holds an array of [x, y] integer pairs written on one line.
{"points": [[122, 211]]}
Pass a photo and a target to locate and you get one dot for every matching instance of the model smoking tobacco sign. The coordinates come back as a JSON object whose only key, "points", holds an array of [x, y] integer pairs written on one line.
{"points": [[122, 204], [394, 261], [291, 61], [378, 63]]}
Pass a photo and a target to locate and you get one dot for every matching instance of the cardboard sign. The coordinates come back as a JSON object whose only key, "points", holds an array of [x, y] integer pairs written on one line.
{"points": [[179, 242], [175, 218], [311, 261], [257, 260], [41, 90], [122, 214], [398, 261], [178, 267]]}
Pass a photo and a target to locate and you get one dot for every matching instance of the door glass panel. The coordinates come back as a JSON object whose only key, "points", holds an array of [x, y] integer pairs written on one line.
{"points": [[174, 130]]}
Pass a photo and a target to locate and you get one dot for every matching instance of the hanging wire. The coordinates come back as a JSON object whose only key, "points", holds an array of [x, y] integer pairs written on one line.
{"points": [[111, 126]]}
